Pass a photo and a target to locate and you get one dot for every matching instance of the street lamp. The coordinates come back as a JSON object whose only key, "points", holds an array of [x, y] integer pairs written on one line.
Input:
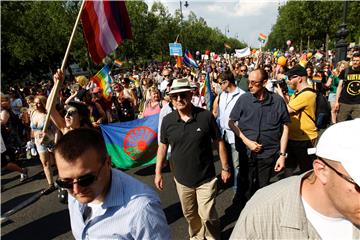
{"points": [[227, 30], [341, 45], [185, 5]]}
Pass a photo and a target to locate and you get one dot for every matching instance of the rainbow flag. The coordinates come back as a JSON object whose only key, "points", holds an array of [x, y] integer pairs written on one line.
{"points": [[209, 96], [103, 80], [262, 38], [132, 144], [118, 63]]}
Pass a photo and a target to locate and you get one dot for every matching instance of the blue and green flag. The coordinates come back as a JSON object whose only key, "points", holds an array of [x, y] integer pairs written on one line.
{"points": [[132, 144]]}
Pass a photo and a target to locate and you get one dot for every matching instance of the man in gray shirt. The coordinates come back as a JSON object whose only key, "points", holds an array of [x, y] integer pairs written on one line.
{"points": [[323, 203]]}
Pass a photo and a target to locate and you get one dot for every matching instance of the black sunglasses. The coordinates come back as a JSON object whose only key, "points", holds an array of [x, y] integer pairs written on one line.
{"points": [[83, 181], [343, 176], [293, 76], [71, 113], [176, 95]]}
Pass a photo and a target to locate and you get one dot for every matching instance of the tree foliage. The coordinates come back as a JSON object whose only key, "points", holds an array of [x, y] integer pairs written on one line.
{"points": [[35, 35], [313, 20]]}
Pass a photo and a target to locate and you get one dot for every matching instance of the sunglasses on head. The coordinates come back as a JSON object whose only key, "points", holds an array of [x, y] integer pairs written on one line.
{"points": [[83, 181], [176, 95]]}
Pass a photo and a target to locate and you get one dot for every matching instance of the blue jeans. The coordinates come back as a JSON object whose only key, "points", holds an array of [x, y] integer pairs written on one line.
{"points": [[233, 154]]}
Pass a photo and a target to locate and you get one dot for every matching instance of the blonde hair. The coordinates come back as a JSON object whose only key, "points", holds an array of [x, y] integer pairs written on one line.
{"points": [[82, 80], [342, 62], [42, 100], [153, 89]]}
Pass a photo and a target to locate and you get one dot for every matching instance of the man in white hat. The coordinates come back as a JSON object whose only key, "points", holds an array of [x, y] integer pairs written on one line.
{"points": [[323, 203], [190, 131]]}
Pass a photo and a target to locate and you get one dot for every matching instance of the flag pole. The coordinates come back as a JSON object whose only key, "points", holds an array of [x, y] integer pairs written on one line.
{"points": [[58, 84]]}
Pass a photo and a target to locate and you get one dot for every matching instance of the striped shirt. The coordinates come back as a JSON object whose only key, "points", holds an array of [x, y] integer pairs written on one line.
{"points": [[131, 210]]}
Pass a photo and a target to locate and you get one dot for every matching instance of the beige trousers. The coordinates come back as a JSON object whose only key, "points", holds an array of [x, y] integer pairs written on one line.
{"points": [[198, 206]]}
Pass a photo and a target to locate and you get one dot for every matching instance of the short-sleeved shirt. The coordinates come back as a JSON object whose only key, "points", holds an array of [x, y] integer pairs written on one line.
{"points": [[302, 127], [261, 121], [191, 146], [277, 212], [350, 93]]}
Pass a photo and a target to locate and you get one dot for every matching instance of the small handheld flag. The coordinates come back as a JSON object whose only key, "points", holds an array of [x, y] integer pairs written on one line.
{"points": [[262, 38], [103, 80], [188, 60], [118, 63]]}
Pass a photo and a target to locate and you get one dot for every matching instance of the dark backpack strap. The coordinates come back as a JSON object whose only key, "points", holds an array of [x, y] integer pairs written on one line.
{"points": [[306, 90]]}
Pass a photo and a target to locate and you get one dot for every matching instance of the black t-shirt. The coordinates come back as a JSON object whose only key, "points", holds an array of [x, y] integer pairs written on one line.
{"points": [[191, 146], [350, 93]]}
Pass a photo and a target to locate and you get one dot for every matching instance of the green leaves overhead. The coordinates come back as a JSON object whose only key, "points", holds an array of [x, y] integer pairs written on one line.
{"points": [[303, 20], [35, 35]]}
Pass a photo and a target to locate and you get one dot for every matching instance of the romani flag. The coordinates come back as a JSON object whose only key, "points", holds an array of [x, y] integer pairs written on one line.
{"points": [[188, 60], [106, 24], [132, 144], [103, 80], [262, 38]]}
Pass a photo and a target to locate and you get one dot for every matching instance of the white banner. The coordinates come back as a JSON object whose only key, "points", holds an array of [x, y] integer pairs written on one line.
{"points": [[242, 52]]}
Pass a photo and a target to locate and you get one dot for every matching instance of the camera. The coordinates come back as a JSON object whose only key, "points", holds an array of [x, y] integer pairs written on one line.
{"points": [[281, 83]]}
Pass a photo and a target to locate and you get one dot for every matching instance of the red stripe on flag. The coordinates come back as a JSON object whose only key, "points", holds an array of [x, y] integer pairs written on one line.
{"points": [[106, 24], [91, 31]]}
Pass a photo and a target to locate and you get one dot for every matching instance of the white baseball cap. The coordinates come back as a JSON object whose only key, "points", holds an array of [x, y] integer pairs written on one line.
{"points": [[341, 143]]}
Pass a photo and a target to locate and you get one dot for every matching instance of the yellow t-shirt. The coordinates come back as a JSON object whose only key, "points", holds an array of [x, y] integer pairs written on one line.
{"points": [[302, 127]]}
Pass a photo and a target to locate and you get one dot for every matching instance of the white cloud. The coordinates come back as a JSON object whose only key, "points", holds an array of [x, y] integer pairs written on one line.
{"points": [[240, 8], [244, 19]]}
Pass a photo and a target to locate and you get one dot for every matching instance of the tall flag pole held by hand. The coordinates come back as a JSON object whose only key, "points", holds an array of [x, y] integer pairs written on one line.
{"points": [[106, 24], [56, 87]]}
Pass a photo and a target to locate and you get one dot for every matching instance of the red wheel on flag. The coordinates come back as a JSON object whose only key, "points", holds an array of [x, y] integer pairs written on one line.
{"points": [[140, 143]]}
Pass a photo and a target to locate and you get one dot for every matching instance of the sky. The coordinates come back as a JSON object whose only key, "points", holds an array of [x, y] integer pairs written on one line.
{"points": [[241, 19]]}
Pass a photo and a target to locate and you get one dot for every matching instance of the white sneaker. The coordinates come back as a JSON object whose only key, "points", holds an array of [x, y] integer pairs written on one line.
{"points": [[24, 175]]}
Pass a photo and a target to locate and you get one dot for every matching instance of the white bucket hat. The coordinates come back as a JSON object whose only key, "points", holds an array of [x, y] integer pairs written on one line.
{"points": [[340, 143], [180, 85]]}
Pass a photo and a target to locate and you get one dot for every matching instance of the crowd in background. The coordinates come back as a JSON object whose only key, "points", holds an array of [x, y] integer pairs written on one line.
{"points": [[143, 91]]}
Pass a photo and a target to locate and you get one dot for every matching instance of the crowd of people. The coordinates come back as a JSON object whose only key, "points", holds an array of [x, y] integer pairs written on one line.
{"points": [[263, 117]]}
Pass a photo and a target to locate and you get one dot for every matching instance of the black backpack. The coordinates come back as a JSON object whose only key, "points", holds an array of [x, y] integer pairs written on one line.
{"points": [[323, 110]]}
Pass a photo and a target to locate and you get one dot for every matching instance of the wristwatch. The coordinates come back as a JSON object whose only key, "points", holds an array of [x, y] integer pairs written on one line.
{"points": [[283, 154]]}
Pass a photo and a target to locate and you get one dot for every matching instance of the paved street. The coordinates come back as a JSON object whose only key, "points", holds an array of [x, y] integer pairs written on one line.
{"points": [[47, 218]]}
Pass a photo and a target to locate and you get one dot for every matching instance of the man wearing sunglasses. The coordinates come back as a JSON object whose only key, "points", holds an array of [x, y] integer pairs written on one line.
{"points": [[191, 132], [259, 118], [105, 203], [242, 80], [302, 129], [323, 203]]}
